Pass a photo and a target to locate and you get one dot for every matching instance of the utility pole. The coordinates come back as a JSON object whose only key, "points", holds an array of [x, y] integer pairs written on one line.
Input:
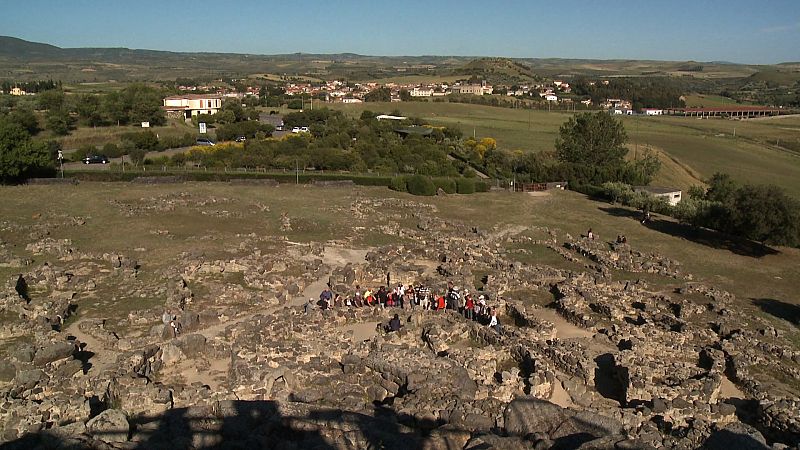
{"points": [[296, 172]]}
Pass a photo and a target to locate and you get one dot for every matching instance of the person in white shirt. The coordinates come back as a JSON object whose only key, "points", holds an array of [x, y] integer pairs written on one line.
{"points": [[493, 322]]}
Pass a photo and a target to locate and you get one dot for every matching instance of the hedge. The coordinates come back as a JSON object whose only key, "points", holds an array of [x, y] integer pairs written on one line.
{"points": [[304, 178], [420, 185], [399, 184], [465, 186], [448, 185], [413, 184]]}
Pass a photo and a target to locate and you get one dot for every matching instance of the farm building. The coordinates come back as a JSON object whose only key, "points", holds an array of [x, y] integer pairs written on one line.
{"points": [[190, 105], [671, 195]]}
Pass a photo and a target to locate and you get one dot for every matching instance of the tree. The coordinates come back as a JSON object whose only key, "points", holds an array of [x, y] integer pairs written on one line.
{"points": [[21, 157], [597, 139], [59, 121], [26, 118], [721, 188], [113, 107], [382, 94], [52, 99], [88, 107], [405, 95], [765, 214]]}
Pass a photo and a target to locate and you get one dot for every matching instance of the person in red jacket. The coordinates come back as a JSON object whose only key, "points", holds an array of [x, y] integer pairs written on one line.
{"points": [[469, 308], [440, 303]]}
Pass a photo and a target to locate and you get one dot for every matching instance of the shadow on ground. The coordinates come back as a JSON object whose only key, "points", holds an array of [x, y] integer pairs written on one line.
{"points": [[779, 309], [704, 236]]}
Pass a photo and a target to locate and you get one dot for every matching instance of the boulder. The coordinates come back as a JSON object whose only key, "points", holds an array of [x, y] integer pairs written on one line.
{"points": [[27, 379], [53, 352], [170, 354], [529, 415], [110, 425], [736, 435], [493, 441], [7, 371], [192, 344], [445, 438], [24, 353]]}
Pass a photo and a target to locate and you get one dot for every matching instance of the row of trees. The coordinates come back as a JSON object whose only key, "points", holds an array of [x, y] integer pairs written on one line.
{"points": [[30, 86], [645, 92], [761, 213]]}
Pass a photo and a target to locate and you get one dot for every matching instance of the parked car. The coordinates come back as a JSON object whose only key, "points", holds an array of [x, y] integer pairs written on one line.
{"points": [[300, 130], [205, 141], [95, 159], [241, 138]]}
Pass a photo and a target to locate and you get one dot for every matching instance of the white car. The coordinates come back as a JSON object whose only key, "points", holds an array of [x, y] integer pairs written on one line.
{"points": [[300, 130]]}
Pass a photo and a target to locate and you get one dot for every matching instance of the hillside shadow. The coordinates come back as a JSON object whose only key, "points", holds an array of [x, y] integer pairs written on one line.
{"points": [[704, 236], [780, 309]]}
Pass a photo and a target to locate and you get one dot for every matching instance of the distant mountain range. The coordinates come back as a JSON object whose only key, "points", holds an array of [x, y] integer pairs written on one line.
{"points": [[22, 60]]}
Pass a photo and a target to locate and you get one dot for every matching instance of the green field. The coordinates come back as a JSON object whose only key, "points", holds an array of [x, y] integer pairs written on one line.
{"points": [[710, 101], [695, 146]]}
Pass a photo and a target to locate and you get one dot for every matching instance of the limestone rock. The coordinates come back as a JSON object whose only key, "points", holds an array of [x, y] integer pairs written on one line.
{"points": [[110, 425]]}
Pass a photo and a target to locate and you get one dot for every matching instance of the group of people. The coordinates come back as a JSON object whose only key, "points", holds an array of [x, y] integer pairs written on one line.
{"points": [[412, 297]]}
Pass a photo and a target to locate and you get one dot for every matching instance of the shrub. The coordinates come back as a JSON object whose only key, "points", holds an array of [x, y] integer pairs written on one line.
{"points": [[82, 152], [420, 185], [465, 185], [481, 186], [399, 184], [448, 185], [112, 150]]}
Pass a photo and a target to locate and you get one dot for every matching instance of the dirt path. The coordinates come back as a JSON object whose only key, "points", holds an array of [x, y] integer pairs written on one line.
{"points": [[729, 390], [360, 331], [564, 329], [102, 357]]}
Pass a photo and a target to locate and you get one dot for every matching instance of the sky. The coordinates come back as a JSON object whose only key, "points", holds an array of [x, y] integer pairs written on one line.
{"points": [[753, 32]]}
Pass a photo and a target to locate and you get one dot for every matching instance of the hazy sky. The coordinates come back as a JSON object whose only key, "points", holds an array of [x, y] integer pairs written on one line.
{"points": [[763, 31]]}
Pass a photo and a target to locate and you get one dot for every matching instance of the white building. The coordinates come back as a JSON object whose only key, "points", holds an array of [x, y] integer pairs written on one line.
{"points": [[190, 105], [551, 98], [421, 92], [652, 111], [671, 195], [474, 89]]}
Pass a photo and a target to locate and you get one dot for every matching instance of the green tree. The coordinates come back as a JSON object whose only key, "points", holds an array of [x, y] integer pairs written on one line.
{"points": [[382, 94], [405, 95], [26, 118], [721, 188], [21, 157], [89, 111], [51, 99], [597, 139], [114, 108], [59, 121], [765, 214]]}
